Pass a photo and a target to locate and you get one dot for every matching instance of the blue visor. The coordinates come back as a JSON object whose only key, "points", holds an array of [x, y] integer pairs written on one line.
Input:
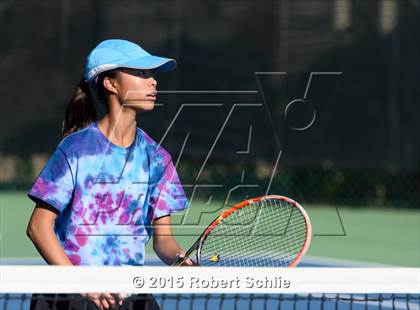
{"points": [[117, 53]]}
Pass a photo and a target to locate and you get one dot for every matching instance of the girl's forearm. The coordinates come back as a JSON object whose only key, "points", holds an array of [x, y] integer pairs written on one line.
{"points": [[166, 248], [48, 246]]}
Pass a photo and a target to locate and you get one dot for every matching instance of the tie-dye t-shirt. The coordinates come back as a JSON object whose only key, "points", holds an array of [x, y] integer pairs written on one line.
{"points": [[107, 196]]}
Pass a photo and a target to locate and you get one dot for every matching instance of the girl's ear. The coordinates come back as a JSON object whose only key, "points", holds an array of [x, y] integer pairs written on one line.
{"points": [[110, 85]]}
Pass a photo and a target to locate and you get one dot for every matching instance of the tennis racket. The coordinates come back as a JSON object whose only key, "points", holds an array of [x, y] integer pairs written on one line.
{"points": [[268, 231]]}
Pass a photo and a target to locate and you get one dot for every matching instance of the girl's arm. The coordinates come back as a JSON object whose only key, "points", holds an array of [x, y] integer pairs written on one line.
{"points": [[41, 232], [164, 244]]}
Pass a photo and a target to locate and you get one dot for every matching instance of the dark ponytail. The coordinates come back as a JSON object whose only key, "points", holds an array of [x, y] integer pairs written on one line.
{"points": [[80, 111]]}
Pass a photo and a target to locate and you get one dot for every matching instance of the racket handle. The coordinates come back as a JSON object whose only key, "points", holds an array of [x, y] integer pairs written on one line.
{"points": [[180, 261]]}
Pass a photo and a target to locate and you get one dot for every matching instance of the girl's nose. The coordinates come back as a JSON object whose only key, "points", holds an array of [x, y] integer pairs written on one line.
{"points": [[153, 81]]}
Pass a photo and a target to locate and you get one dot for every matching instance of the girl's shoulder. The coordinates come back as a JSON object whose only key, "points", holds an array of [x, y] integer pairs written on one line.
{"points": [[83, 141], [154, 148]]}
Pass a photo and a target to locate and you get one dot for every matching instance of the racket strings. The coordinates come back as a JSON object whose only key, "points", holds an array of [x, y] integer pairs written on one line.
{"points": [[261, 250], [285, 224], [270, 232], [289, 245], [233, 253]]}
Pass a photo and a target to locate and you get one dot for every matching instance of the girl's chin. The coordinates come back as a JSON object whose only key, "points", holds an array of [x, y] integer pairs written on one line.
{"points": [[142, 106]]}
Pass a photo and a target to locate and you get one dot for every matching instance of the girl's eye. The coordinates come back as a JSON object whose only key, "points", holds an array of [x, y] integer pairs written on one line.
{"points": [[145, 73]]}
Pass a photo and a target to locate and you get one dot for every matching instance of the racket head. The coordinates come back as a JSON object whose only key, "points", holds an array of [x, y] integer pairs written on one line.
{"points": [[297, 234]]}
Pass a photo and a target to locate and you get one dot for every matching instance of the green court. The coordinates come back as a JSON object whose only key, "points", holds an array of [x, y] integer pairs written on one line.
{"points": [[381, 236]]}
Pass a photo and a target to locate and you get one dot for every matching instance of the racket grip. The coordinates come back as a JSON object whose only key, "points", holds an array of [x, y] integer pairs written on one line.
{"points": [[179, 261]]}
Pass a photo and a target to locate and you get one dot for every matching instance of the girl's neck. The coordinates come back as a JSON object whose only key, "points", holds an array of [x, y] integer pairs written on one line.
{"points": [[119, 130]]}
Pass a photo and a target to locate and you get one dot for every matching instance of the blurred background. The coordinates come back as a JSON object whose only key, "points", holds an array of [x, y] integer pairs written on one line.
{"points": [[317, 100]]}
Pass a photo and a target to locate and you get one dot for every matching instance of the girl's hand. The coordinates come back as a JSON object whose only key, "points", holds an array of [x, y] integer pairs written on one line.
{"points": [[105, 301], [188, 261]]}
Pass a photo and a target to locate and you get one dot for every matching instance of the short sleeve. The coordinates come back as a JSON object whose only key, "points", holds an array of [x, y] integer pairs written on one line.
{"points": [[54, 185], [168, 195]]}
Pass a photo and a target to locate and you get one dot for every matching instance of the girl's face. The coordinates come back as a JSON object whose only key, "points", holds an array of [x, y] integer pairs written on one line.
{"points": [[136, 88]]}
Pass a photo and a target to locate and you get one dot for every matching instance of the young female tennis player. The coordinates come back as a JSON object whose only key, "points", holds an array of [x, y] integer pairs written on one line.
{"points": [[108, 187]]}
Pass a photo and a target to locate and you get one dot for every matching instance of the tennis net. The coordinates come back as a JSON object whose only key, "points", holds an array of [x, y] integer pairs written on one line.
{"points": [[58, 287], [232, 301]]}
